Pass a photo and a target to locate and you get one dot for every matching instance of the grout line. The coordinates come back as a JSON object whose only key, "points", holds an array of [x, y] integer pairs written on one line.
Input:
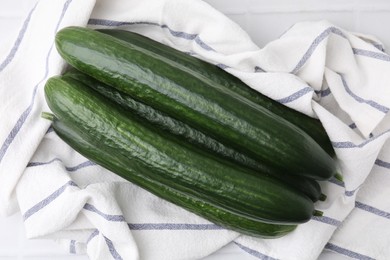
{"points": [[255, 7], [291, 8]]}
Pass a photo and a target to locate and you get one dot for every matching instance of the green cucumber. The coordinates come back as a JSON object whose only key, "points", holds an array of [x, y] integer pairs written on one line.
{"points": [[311, 126], [119, 164], [195, 100], [158, 156], [308, 186]]}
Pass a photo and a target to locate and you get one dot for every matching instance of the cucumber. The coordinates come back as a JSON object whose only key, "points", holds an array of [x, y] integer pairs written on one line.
{"points": [[158, 156], [309, 187], [116, 162], [195, 100], [311, 126]]}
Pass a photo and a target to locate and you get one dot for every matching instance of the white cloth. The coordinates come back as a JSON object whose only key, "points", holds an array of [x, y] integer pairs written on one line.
{"points": [[315, 67]]}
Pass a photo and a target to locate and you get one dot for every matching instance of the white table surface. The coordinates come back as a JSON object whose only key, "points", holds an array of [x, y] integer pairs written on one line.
{"points": [[255, 17]]}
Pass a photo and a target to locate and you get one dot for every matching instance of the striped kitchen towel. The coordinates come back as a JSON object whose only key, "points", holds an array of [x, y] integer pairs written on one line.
{"points": [[315, 67]]}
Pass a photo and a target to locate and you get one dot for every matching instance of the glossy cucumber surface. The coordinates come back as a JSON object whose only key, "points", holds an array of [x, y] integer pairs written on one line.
{"points": [[195, 100], [311, 126], [160, 157], [309, 187], [119, 164]]}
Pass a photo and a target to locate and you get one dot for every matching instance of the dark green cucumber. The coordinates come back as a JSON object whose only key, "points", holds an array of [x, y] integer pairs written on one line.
{"points": [[308, 186], [117, 163], [158, 156], [195, 100], [311, 126]]}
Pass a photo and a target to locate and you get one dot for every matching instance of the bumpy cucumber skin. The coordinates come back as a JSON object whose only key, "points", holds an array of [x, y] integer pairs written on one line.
{"points": [[309, 187], [221, 113], [177, 165], [311, 126], [117, 163]]}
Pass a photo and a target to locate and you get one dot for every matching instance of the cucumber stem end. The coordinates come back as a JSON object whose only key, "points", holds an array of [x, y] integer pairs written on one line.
{"points": [[47, 115], [318, 213], [322, 197], [338, 177]]}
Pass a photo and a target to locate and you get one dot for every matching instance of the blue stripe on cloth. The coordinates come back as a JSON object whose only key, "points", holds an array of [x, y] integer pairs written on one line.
{"points": [[346, 252], [356, 51], [111, 23], [295, 95], [327, 220], [19, 39], [68, 168], [347, 193], [382, 163], [72, 247], [34, 164], [178, 34], [323, 93], [80, 166], [379, 46], [108, 217], [372, 210], [49, 130], [202, 44], [315, 44], [371, 103], [19, 123], [353, 126], [173, 226], [222, 66], [188, 36], [337, 182], [258, 69], [93, 234], [40, 205], [371, 54], [254, 252], [109, 244], [348, 144], [21, 120], [350, 193], [112, 249]]}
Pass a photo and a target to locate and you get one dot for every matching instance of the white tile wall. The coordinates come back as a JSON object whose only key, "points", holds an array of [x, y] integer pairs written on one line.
{"points": [[264, 20]]}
